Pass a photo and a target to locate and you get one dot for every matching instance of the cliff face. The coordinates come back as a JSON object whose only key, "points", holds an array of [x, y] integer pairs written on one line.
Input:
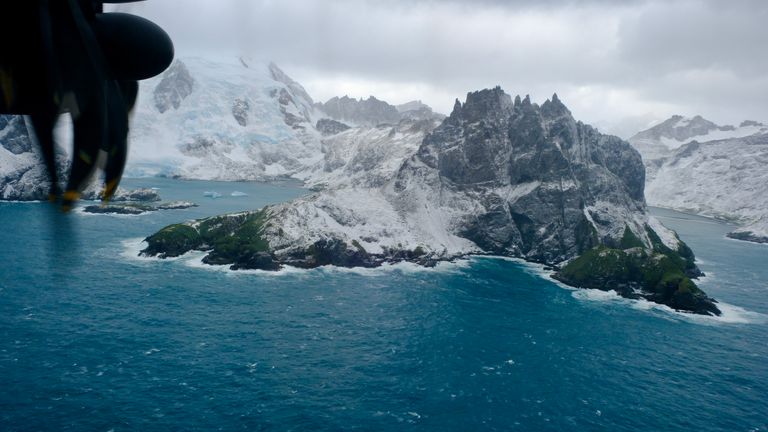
{"points": [[497, 176], [545, 187]]}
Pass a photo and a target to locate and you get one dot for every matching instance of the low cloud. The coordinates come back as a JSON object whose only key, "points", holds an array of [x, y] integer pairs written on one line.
{"points": [[619, 65]]}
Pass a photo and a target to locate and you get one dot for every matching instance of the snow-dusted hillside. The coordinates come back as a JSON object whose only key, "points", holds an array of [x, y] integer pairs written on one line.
{"points": [[661, 140], [224, 120], [696, 166], [366, 156], [725, 179], [244, 120]]}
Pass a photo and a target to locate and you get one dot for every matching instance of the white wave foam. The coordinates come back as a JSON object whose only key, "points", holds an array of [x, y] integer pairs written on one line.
{"points": [[24, 202], [731, 314], [404, 267], [132, 247], [194, 259]]}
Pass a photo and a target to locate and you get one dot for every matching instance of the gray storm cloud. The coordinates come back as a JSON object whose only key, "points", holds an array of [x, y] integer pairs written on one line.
{"points": [[617, 64]]}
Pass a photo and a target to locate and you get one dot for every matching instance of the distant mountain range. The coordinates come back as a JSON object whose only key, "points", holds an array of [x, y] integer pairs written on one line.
{"points": [[695, 165]]}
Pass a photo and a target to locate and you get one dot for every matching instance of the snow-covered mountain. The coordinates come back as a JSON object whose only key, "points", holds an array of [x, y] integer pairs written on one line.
{"points": [[697, 166], [23, 175], [660, 141], [497, 176], [244, 120], [237, 120], [223, 120]]}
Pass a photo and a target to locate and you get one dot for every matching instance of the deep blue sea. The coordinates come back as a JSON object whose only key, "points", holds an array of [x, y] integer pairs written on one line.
{"points": [[93, 338]]}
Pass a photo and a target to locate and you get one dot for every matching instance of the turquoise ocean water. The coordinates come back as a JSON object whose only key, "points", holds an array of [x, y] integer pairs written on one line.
{"points": [[93, 338]]}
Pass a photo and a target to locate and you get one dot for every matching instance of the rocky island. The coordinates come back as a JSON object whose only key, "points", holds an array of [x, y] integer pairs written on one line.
{"points": [[498, 176]]}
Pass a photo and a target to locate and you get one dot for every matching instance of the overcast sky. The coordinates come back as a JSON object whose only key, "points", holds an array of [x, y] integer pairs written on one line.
{"points": [[619, 65]]}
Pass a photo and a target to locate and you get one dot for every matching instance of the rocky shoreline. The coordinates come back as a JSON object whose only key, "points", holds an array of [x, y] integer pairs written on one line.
{"points": [[136, 208], [747, 236], [659, 274]]}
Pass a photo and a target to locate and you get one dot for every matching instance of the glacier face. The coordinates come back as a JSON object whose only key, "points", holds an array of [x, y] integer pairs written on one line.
{"points": [[696, 166], [222, 120]]}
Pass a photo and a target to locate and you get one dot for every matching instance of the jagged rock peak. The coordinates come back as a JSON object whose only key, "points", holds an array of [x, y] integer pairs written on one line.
{"points": [[456, 108], [480, 104], [370, 112], [177, 83], [555, 108]]}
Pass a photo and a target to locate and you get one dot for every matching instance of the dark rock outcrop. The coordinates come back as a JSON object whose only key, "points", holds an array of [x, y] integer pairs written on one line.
{"points": [[747, 236], [177, 83], [136, 208], [330, 127], [240, 110]]}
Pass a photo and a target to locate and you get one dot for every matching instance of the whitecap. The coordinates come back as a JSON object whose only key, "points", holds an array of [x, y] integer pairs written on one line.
{"points": [[730, 314], [404, 267], [194, 259], [132, 247]]}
